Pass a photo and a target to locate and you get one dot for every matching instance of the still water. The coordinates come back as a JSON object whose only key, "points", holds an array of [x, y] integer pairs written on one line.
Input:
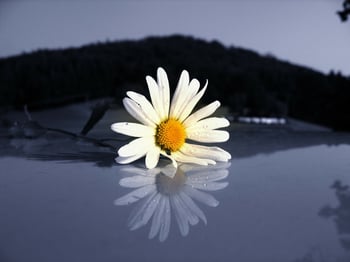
{"points": [[284, 196]]}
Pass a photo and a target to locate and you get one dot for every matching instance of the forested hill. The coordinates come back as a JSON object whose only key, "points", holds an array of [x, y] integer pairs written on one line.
{"points": [[246, 82]]}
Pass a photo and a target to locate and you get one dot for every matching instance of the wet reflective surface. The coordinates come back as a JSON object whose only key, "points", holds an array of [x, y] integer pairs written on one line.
{"points": [[165, 192], [283, 197]]}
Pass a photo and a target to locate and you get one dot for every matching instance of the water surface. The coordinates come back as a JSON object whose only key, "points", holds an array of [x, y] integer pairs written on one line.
{"points": [[282, 197]]}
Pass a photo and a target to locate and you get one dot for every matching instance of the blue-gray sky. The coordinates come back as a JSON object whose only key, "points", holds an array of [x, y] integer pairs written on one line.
{"points": [[306, 32]]}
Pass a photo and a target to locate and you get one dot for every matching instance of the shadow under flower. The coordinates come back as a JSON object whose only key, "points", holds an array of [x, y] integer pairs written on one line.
{"points": [[166, 191], [59, 149], [100, 159]]}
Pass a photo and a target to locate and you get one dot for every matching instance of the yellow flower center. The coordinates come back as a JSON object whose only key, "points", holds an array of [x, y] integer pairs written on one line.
{"points": [[170, 135]]}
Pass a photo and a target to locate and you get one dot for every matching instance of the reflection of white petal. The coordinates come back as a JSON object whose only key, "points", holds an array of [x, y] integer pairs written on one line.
{"points": [[151, 207], [136, 181], [192, 218], [180, 216], [157, 218], [135, 195], [207, 186], [140, 218], [200, 196], [208, 176], [189, 169], [166, 190], [193, 207], [208, 180], [161, 220], [165, 228], [131, 171]]}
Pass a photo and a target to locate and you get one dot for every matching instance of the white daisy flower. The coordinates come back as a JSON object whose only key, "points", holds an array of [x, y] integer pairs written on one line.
{"points": [[166, 127], [160, 195]]}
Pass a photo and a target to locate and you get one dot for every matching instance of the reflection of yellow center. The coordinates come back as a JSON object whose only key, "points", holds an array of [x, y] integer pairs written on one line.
{"points": [[171, 186], [170, 135]]}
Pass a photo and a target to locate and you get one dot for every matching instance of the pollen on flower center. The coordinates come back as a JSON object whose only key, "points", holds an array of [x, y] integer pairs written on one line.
{"points": [[170, 135]]}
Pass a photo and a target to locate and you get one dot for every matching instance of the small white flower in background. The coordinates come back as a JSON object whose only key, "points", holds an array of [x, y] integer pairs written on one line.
{"points": [[161, 194], [166, 127]]}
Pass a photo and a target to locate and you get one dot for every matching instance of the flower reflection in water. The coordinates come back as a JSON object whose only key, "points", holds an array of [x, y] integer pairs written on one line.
{"points": [[161, 192]]}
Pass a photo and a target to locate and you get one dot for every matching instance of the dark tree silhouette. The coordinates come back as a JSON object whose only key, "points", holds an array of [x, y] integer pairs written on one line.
{"points": [[248, 83]]}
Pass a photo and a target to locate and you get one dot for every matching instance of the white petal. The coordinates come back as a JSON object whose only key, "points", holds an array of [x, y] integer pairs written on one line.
{"points": [[152, 157], [163, 84], [137, 146], [184, 98], [180, 157], [145, 105], [154, 93], [133, 129], [173, 161], [129, 159], [191, 104], [215, 153], [180, 89], [210, 123], [201, 113], [208, 136], [136, 111]]}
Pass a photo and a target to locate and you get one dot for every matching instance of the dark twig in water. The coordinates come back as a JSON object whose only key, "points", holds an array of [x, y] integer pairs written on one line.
{"points": [[82, 137], [29, 117], [97, 113], [345, 13], [32, 129]]}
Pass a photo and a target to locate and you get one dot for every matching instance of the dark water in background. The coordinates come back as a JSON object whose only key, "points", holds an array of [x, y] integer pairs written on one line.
{"points": [[283, 197]]}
